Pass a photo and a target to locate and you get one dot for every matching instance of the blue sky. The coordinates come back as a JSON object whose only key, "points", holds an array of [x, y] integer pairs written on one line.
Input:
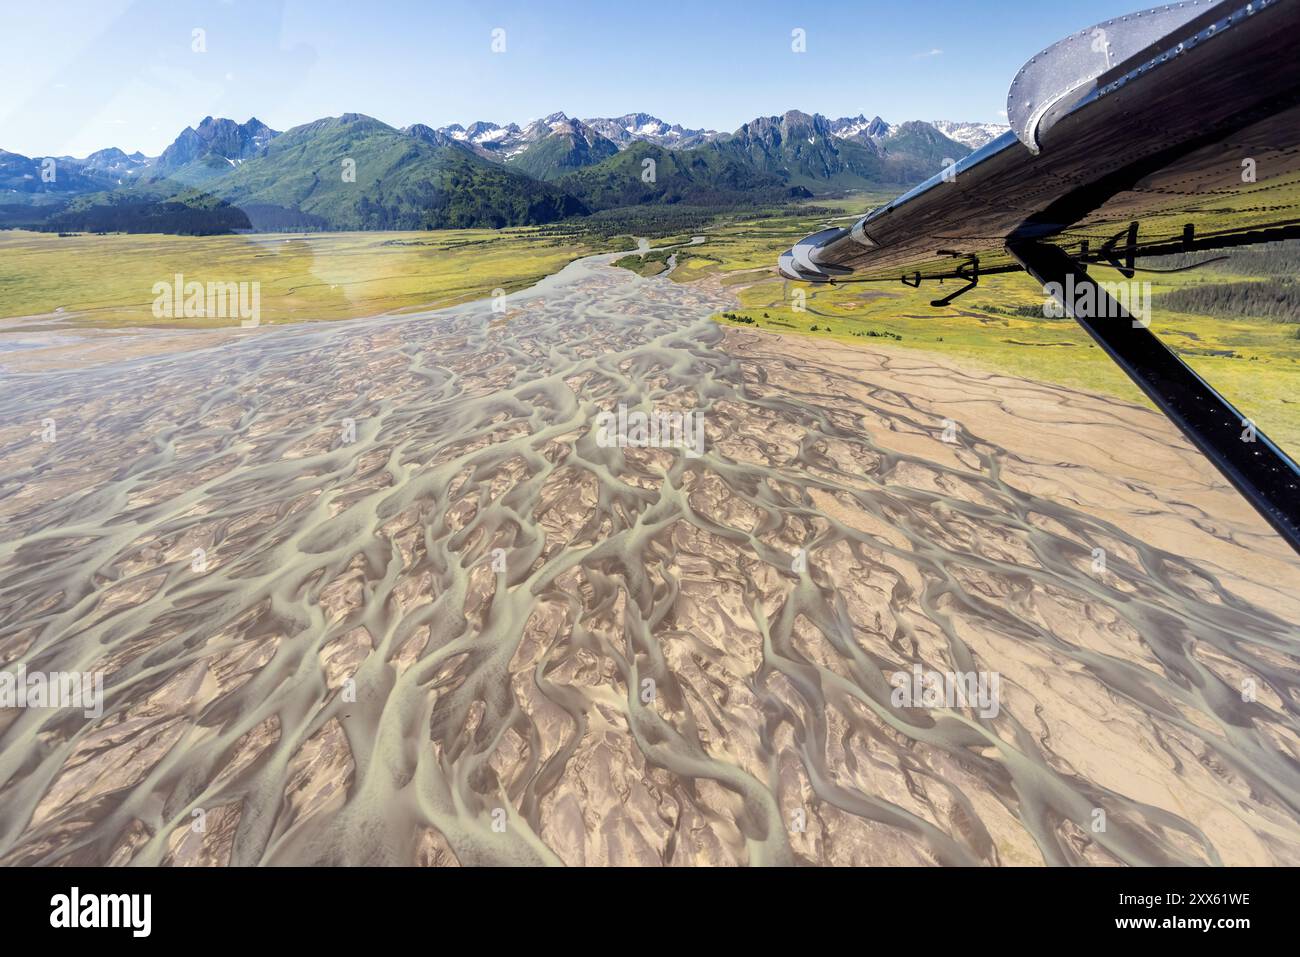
{"points": [[84, 74]]}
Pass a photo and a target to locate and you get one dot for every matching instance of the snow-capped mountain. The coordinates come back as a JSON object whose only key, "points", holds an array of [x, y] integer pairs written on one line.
{"points": [[481, 132], [559, 146], [112, 162], [484, 137], [973, 135], [860, 129], [506, 142], [631, 128]]}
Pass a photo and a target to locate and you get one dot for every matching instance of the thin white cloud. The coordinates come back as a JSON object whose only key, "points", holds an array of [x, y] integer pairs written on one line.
{"points": [[935, 52]]}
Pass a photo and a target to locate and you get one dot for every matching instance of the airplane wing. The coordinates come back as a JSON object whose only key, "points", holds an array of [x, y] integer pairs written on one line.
{"points": [[1175, 129]]}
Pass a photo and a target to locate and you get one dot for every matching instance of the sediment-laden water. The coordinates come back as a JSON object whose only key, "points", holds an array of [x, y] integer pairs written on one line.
{"points": [[377, 593]]}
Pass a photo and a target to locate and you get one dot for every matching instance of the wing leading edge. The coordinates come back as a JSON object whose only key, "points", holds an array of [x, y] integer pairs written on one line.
{"points": [[1159, 138]]}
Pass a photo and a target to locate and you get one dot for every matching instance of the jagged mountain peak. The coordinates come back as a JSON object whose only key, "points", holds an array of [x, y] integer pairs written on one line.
{"points": [[427, 134], [631, 128], [511, 139], [216, 137], [567, 144]]}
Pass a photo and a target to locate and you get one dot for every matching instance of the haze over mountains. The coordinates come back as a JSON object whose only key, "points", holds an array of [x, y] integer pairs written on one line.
{"points": [[356, 172]]}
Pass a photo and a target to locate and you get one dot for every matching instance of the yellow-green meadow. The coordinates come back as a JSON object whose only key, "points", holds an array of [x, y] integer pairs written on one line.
{"points": [[109, 280]]}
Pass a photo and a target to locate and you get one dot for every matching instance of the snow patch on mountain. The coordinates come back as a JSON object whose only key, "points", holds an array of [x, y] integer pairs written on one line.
{"points": [[973, 135]]}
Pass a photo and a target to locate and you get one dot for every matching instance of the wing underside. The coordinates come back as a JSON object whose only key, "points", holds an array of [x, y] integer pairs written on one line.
{"points": [[1171, 130]]}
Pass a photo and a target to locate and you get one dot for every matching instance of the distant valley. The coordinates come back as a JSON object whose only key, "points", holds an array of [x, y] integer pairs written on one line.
{"points": [[356, 172]]}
